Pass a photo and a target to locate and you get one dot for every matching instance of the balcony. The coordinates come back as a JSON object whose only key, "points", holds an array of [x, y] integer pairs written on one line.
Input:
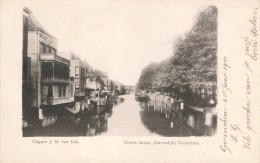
{"points": [[54, 80], [54, 72], [53, 57], [57, 101]]}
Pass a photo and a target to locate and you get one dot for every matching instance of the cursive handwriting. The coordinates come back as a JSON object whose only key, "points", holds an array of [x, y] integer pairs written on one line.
{"points": [[225, 92], [250, 53]]}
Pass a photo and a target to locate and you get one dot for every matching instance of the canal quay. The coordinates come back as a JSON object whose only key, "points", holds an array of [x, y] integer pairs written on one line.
{"points": [[65, 94], [125, 117]]}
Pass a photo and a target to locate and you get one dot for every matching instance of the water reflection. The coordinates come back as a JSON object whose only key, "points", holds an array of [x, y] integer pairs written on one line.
{"points": [[125, 117], [60, 123], [155, 121], [165, 121]]}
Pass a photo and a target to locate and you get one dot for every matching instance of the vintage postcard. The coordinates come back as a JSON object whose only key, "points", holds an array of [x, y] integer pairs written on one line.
{"points": [[129, 81]]}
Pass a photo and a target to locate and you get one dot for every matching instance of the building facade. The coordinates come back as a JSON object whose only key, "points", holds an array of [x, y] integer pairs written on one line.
{"points": [[56, 87], [129, 89], [77, 73], [47, 73]]}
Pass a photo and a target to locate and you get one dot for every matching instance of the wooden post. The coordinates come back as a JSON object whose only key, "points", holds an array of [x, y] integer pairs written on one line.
{"points": [[154, 106], [40, 114], [182, 105], [89, 106], [172, 103], [208, 121], [180, 108], [198, 123], [105, 115], [38, 77]]}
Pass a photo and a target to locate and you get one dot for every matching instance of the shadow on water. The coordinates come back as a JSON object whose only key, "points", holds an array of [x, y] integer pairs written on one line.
{"points": [[155, 117], [173, 124], [58, 122]]}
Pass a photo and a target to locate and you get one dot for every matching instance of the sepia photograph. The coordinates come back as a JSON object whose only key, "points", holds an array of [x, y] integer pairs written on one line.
{"points": [[131, 81], [166, 86]]}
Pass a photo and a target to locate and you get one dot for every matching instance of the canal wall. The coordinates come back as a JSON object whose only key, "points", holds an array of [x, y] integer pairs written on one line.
{"points": [[203, 121]]}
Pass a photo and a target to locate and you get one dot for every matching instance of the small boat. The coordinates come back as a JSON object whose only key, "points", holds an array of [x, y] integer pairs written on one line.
{"points": [[72, 110], [99, 101], [49, 120], [75, 109], [142, 98]]}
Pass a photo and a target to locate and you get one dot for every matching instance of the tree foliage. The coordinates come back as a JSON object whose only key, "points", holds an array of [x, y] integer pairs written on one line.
{"points": [[194, 60]]}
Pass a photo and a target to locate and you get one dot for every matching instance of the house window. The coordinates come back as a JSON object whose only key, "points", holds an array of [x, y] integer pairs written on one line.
{"points": [[60, 90], [48, 49], [77, 73], [82, 87], [53, 51], [71, 90], [50, 95], [82, 75], [42, 48], [77, 87], [64, 90]]}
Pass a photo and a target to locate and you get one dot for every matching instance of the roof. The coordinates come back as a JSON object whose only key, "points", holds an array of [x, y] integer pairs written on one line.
{"points": [[34, 24], [54, 57]]}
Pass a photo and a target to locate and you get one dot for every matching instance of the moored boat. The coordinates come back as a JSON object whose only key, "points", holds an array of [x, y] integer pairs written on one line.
{"points": [[142, 98], [75, 109]]}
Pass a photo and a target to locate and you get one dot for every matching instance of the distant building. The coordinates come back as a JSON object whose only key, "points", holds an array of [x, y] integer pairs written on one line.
{"points": [[101, 78], [91, 84], [77, 73], [118, 85], [129, 89], [109, 85]]}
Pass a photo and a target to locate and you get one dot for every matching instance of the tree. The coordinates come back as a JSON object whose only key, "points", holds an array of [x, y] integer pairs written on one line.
{"points": [[147, 76], [194, 60], [100, 81], [123, 89]]}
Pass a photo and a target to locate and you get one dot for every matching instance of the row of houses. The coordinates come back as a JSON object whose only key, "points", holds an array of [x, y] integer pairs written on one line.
{"points": [[53, 78]]}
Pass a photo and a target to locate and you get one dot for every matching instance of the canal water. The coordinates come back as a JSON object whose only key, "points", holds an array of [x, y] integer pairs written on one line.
{"points": [[126, 117]]}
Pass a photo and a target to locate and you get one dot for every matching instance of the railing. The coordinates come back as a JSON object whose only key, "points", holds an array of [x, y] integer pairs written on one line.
{"points": [[51, 79], [46, 56], [160, 100], [57, 100]]}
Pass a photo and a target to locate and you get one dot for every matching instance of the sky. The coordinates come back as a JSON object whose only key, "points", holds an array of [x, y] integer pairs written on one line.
{"points": [[120, 38]]}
